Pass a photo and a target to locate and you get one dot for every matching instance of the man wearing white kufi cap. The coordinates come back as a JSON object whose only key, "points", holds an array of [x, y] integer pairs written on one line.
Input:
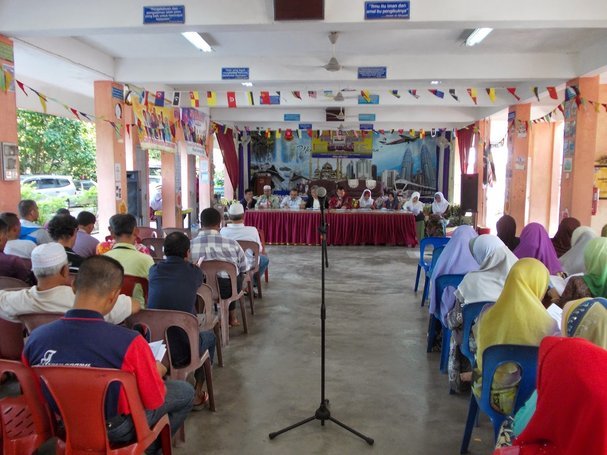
{"points": [[52, 293], [267, 200]]}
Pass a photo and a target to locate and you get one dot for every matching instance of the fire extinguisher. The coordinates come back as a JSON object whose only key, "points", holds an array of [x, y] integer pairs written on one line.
{"points": [[595, 200]]}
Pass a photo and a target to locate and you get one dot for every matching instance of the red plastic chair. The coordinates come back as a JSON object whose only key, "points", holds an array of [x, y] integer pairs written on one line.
{"points": [[80, 396], [34, 320], [11, 340], [25, 423], [211, 269], [204, 305], [185, 231], [128, 286], [253, 273], [146, 232]]}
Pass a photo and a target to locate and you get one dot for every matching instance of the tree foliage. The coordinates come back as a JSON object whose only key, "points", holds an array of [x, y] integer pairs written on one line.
{"points": [[55, 145]]}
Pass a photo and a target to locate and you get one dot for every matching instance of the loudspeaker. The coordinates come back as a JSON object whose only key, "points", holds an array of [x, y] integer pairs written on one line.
{"points": [[298, 10], [469, 194], [133, 187]]}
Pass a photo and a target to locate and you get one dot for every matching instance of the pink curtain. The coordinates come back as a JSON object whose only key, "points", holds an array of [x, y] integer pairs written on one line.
{"points": [[228, 150], [464, 142]]}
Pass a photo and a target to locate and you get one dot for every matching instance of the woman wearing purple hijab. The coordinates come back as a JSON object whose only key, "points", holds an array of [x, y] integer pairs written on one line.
{"points": [[456, 259], [536, 243]]}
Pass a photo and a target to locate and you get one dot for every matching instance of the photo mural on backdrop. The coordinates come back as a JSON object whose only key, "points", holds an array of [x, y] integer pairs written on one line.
{"points": [[195, 126], [156, 126], [399, 161]]}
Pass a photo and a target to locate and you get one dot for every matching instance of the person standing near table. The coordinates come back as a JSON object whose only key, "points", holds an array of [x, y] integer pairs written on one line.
{"points": [[340, 200], [267, 200], [292, 201], [416, 207]]}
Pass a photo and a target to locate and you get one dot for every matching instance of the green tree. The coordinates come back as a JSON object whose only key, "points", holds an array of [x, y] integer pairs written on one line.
{"points": [[55, 145]]}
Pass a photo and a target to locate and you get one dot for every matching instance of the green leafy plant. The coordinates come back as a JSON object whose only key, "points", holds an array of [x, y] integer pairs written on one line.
{"points": [[458, 216], [47, 206]]}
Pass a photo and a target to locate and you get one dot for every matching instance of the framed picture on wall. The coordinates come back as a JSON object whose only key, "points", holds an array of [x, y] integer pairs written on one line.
{"points": [[10, 161], [600, 179]]}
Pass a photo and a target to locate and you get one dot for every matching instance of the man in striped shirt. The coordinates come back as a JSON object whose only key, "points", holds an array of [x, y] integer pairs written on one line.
{"points": [[210, 245]]}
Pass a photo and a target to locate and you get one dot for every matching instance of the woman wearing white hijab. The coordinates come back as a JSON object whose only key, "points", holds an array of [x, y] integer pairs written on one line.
{"points": [[440, 204], [573, 260], [482, 285], [365, 202], [414, 205]]}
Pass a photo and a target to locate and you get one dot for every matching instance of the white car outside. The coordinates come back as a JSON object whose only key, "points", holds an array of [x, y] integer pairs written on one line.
{"points": [[51, 185]]}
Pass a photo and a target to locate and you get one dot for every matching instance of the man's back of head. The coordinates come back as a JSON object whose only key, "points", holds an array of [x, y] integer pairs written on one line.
{"points": [[13, 224], [100, 277], [123, 227], [176, 244], [86, 219], [236, 212], [210, 218], [27, 209], [49, 263], [62, 229]]}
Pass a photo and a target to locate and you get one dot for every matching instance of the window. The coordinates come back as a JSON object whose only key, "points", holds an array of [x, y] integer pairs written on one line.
{"points": [[47, 183], [62, 182]]}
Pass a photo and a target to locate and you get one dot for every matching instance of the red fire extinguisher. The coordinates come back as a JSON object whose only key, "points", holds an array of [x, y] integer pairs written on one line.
{"points": [[595, 200]]}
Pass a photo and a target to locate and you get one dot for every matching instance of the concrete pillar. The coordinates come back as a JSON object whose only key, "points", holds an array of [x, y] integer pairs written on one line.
{"points": [[483, 140], [111, 158], [206, 174], [9, 189], [519, 144], [171, 191], [578, 167]]}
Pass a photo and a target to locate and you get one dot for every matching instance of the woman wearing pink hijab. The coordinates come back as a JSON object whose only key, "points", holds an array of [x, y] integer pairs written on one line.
{"points": [[536, 243]]}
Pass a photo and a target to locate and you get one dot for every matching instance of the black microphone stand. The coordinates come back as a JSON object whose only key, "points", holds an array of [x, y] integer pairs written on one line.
{"points": [[323, 413]]}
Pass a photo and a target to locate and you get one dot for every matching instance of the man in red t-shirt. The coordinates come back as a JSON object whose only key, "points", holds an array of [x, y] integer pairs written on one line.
{"points": [[82, 337]]}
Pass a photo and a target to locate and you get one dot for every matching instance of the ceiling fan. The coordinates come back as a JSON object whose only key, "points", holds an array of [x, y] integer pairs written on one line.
{"points": [[333, 115]]}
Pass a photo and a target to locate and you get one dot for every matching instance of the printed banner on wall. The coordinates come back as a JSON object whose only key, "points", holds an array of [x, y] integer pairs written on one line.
{"points": [[195, 128], [156, 126]]}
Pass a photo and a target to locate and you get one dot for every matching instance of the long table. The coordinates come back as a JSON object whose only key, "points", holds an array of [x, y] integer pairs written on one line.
{"points": [[351, 227]]}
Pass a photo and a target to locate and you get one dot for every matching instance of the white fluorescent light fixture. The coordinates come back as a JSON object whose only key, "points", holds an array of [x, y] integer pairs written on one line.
{"points": [[247, 84], [477, 36], [435, 82], [198, 41]]}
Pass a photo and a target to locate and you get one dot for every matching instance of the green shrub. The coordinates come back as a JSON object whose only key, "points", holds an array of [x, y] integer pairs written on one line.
{"points": [[47, 206]]}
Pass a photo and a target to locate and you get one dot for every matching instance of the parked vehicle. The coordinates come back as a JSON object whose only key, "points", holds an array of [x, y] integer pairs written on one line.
{"points": [[51, 185], [84, 185]]}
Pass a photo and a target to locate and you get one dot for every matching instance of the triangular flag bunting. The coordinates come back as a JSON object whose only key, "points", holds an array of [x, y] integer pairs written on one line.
{"points": [[413, 93], [296, 94], [22, 87], [512, 91], [473, 94], [311, 94], [176, 99], [278, 134], [75, 112], [536, 92], [366, 95], [231, 99], [552, 93], [43, 101], [159, 100], [250, 99], [436, 93], [453, 95], [195, 99], [491, 93], [128, 129], [211, 98], [264, 97], [395, 93]]}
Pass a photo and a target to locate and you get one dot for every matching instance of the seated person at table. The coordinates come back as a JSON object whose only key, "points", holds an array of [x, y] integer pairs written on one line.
{"points": [[292, 201], [83, 338], [340, 200], [209, 245], [248, 202], [236, 230], [173, 285], [392, 202], [16, 246], [267, 200], [12, 266], [134, 262], [86, 244], [52, 293], [30, 230], [313, 202], [366, 201], [63, 229]]}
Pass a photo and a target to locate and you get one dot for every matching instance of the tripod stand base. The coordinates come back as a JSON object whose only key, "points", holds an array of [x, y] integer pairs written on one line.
{"points": [[323, 413]]}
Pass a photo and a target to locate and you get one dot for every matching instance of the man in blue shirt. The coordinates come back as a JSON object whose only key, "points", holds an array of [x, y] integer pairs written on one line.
{"points": [[173, 284]]}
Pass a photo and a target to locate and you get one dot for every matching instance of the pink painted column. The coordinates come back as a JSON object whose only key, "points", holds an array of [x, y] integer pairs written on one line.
{"points": [[10, 190], [483, 140], [171, 197], [111, 157], [206, 174]]}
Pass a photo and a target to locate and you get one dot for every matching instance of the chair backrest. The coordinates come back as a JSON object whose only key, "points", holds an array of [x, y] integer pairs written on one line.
{"points": [[494, 356], [11, 340], [23, 416], [186, 231], [159, 322], [154, 245], [470, 312], [426, 242], [6, 282], [204, 303], [248, 245], [129, 282], [146, 232], [440, 284], [212, 269], [262, 237], [33, 320], [436, 252], [80, 393]]}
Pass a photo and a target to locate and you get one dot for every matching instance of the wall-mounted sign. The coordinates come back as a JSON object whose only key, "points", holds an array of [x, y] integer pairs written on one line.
{"points": [[372, 72], [6, 52], [10, 161], [292, 117], [366, 126], [117, 92], [387, 10], [305, 126], [171, 14], [373, 99], [366, 117], [234, 73]]}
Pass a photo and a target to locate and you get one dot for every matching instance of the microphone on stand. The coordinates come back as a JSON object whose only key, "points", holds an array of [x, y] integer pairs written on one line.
{"points": [[321, 192]]}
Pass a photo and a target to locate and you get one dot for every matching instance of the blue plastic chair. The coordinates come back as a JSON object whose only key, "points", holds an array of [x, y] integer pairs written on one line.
{"points": [[470, 312], [436, 252], [441, 283], [435, 242], [494, 356]]}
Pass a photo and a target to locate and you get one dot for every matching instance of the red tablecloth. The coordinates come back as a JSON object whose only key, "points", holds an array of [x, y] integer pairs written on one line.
{"points": [[296, 227]]}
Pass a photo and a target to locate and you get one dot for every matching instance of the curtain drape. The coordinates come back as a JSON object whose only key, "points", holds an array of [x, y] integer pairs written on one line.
{"points": [[230, 157], [464, 142]]}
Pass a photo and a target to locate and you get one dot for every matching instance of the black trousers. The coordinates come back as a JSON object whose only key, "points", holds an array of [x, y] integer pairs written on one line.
{"points": [[225, 288]]}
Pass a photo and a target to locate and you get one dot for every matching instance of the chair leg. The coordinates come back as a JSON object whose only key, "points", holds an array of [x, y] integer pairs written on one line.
{"points": [[208, 375], [472, 413], [431, 333], [165, 440], [444, 353], [225, 323], [258, 278], [266, 275], [243, 312], [251, 297], [425, 293], [419, 271], [217, 331]]}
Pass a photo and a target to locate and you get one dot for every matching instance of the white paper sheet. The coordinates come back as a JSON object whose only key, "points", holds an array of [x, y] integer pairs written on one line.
{"points": [[556, 312], [159, 349]]}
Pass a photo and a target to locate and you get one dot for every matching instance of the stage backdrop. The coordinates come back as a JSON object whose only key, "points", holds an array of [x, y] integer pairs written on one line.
{"points": [[398, 160]]}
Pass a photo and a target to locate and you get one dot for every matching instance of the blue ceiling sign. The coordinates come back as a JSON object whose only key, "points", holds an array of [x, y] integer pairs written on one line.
{"points": [[366, 117], [372, 72], [292, 117], [387, 10], [234, 73], [172, 14], [305, 126], [366, 126]]}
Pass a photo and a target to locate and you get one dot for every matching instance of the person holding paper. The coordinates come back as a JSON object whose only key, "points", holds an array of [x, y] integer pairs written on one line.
{"points": [[82, 337], [594, 282]]}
